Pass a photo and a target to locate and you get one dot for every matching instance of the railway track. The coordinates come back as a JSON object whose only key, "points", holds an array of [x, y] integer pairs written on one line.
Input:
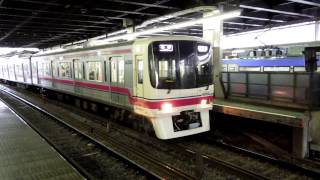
{"points": [[201, 160], [305, 166], [244, 166], [93, 158]]}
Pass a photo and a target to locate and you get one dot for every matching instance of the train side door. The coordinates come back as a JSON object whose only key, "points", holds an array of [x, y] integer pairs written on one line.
{"points": [[139, 76], [113, 60], [35, 78], [78, 74]]}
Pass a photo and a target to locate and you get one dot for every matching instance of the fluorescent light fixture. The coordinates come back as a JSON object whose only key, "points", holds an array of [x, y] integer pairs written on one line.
{"points": [[6, 50], [217, 18], [117, 32]]}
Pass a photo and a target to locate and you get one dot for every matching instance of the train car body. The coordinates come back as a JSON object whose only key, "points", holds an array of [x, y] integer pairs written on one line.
{"points": [[166, 79], [288, 64]]}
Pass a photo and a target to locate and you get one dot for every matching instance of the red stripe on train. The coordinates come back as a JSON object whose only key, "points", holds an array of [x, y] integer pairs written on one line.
{"points": [[135, 101], [174, 102], [123, 51]]}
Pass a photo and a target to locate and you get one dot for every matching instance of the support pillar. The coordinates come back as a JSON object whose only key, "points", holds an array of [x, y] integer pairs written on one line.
{"points": [[314, 128], [212, 31], [300, 141]]}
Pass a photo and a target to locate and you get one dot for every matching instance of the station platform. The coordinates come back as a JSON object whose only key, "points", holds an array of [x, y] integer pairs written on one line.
{"points": [[297, 119], [285, 116], [26, 155]]}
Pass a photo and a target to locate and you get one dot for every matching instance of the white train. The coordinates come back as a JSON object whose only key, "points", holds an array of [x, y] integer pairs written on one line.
{"points": [[165, 79]]}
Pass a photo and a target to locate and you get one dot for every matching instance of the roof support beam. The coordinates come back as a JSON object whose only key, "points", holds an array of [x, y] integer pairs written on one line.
{"points": [[262, 19], [49, 31], [56, 38], [126, 12], [275, 11], [59, 19], [17, 27], [60, 13], [55, 24], [39, 2], [44, 28], [306, 2], [142, 4]]}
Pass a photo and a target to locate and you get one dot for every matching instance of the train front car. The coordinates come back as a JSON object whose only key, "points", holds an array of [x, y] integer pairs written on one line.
{"points": [[174, 85]]}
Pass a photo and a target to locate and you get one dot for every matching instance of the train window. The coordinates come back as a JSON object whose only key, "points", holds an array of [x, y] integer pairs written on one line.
{"points": [[163, 69], [40, 69], [140, 71], [18, 70], [78, 70], [1, 71], [46, 69], [94, 71], [65, 69], [5, 71], [54, 69], [121, 70], [113, 67], [11, 72], [26, 70]]}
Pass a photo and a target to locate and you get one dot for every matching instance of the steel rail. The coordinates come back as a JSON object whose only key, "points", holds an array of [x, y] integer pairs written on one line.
{"points": [[165, 168]]}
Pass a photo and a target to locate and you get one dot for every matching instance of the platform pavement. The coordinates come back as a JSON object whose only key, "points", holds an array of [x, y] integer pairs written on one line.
{"points": [[26, 155]]}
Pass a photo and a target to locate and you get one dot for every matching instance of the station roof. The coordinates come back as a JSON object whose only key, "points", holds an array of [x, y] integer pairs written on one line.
{"points": [[38, 23]]}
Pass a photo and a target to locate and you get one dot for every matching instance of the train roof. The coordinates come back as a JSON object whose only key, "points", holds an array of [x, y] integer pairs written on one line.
{"points": [[127, 43]]}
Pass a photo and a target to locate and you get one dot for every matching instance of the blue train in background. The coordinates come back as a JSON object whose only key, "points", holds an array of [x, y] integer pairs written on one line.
{"points": [[274, 64]]}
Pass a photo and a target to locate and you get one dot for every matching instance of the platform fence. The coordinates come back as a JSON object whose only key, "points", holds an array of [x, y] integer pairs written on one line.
{"points": [[297, 90]]}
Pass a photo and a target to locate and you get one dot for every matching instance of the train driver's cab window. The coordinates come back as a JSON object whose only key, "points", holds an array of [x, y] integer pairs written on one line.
{"points": [[94, 71], [65, 69]]}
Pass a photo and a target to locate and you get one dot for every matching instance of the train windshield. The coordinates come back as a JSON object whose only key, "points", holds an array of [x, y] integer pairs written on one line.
{"points": [[180, 64]]}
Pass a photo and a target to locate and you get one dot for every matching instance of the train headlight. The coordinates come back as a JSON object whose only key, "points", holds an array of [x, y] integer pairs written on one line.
{"points": [[166, 107], [204, 102]]}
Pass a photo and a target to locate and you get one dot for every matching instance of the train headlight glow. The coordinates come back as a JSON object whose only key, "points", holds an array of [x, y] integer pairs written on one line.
{"points": [[204, 102], [166, 107]]}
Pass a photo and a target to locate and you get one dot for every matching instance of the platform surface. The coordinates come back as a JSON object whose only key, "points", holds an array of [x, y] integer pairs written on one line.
{"points": [[284, 116], [25, 155]]}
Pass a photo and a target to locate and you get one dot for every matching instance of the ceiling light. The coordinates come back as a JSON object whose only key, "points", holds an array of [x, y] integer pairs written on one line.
{"points": [[217, 18]]}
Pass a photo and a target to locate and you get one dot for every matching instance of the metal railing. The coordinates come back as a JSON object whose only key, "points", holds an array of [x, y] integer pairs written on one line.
{"points": [[299, 90]]}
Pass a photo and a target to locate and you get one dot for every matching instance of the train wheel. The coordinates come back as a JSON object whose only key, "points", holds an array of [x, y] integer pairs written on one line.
{"points": [[84, 105], [77, 103]]}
